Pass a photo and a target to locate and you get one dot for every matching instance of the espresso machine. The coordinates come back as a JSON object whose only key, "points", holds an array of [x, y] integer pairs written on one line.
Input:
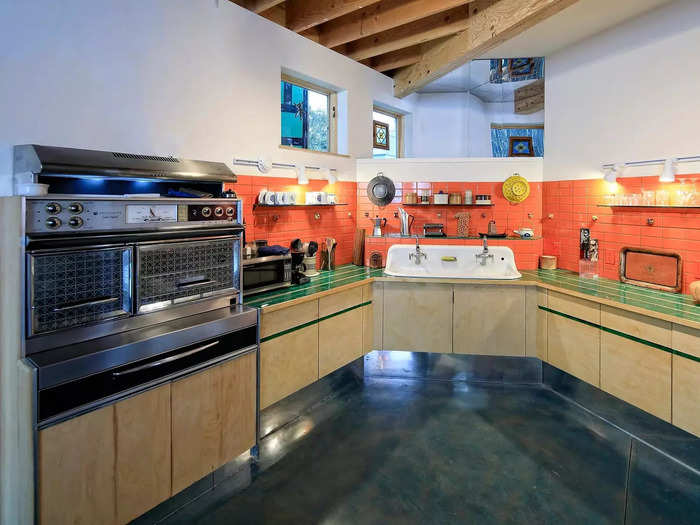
{"points": [[379, 223]]}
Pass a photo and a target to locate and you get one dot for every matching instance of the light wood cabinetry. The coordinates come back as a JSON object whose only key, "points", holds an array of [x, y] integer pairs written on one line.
{"points": [[76, 470], [368, 319], [288, 363], [636, 325], [277, 321], [489, 320], [686, 394], [636, 373], [213, 415], [336, 302], [574, 347], [143, 475], [418, 317], [574, 306], [339, 341], [378, 312]]}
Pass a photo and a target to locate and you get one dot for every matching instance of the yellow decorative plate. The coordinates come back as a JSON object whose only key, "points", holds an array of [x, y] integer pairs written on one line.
{"points": [[516, 188]]}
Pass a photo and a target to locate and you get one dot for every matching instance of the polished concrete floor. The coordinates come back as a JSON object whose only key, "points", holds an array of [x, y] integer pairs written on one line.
{"points": [[406, 450]]}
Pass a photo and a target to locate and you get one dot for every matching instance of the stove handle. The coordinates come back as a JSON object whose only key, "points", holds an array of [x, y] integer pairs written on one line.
{"points": [[89, 302], [192, 284], [164, 360]]}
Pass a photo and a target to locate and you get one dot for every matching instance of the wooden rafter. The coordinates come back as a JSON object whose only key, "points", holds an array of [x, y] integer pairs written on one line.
{"points": [[491, 22], [396, 59], [258, 6], [424, 30], [380, 17], [303, 14]]}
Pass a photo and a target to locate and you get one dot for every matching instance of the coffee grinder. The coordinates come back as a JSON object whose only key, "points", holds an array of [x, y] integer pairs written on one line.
{"points": [[298, 268]]}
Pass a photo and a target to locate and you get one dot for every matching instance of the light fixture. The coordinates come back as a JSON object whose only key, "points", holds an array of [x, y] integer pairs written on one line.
{"points": [[329, 174], [669, 173], [302, 178], [611, 174]]}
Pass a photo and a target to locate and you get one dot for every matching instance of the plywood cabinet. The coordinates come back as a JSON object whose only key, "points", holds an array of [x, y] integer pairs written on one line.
{"points": [[142, 430], [418, 317], [76, 470], [574, 347], [489, 320], [213, 419], [339, 341]]}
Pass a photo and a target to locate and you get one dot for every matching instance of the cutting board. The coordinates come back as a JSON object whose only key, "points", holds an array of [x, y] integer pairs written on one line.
{"points": [[656, 269], [358, 248]]}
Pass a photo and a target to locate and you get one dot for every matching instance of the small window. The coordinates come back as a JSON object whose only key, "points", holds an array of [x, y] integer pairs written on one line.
{"points": [[308, 116], [386, 145]]}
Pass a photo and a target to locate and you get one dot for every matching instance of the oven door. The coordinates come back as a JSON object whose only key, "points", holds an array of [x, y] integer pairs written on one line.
{"points": [[172, 273], [68, 288], [266, 273]]}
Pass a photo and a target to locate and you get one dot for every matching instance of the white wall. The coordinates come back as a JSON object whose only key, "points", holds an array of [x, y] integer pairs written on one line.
{"points": [[629, 93], [192, 78]]}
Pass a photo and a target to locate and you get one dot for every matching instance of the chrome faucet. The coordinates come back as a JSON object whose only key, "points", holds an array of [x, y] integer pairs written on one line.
{"points": [[484, 255], [416, 256]]}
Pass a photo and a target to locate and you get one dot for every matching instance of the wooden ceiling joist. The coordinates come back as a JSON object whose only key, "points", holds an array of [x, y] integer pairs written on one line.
{"points": [[258, 6], [424, 30], [303, 14], [380, 17], [396, 59], [491, 22]]}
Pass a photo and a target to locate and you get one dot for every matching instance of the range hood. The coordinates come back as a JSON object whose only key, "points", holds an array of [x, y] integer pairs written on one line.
{"points": [[52, 160]]}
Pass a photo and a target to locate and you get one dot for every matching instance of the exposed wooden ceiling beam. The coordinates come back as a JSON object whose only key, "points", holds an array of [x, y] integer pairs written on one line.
{"points": [[418, 32], [491, 22], [529, 99], [396, 59], [379, 17], [258, 6], [277, 14], [303, 14]]}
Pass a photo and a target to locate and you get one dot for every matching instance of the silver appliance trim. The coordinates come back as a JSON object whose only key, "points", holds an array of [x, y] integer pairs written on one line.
{"points": [[276, 286], [76, 361], [269, 258], [47, 160]]}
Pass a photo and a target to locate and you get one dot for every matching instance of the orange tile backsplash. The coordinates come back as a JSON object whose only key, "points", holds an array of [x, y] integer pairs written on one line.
{"points": [[572, 204]]}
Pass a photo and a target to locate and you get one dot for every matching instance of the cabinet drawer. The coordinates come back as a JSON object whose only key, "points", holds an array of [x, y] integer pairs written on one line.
{"points": [[339, 341], [280, 320], [686, 340], [636, 373], [336, 302], [686, 394], [287, 364], [637, 325], [570, 305]]}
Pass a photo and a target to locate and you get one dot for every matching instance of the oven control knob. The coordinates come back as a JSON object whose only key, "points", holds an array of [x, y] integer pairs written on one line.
{"points": [[75, 207], [219, 211], [206, 212], [53, 222], [229, 212], [75, 222], [53, 208]]}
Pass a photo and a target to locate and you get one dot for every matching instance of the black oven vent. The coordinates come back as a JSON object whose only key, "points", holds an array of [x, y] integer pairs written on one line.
{"points": [[144, 157]]}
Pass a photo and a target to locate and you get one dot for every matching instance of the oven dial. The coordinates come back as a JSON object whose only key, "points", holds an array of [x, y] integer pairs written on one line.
{"points": [[229, 212], [75, 207], [75, 222], [219, 211], [206, 212], [53, 208], [53, 222]]}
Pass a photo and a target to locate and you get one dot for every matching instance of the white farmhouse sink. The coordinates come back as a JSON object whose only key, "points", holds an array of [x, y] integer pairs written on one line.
{"points": [[458, 262]]}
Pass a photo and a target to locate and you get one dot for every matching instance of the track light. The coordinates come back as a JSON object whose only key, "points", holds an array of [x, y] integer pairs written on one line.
{"points": [[302, 178], [611, 174], [669, 173]]}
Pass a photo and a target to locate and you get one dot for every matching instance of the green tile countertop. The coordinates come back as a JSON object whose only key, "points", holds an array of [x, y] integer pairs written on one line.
{"points": [[326, 280], [673, 307]]}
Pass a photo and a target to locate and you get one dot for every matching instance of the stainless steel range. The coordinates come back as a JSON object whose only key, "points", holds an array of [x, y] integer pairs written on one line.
{"points": [[125, 292]]}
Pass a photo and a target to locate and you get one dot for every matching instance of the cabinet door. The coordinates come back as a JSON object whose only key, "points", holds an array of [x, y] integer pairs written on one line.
{"points": [[287, 364], [143, 452], [574, 347], [368, 319], [418, 317], [489, 320], [339, 341], [213, 419], [76, 470]]}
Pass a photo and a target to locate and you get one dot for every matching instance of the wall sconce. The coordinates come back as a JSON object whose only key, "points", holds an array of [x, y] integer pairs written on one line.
{"points": [[302, 178], [669, 173]]}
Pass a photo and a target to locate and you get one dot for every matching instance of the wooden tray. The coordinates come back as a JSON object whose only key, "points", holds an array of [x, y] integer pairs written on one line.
{"points": [[656, 269]]}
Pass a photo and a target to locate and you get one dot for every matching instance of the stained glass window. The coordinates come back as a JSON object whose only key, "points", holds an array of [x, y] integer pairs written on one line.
{"points": [[305, 117], [385, 138]]}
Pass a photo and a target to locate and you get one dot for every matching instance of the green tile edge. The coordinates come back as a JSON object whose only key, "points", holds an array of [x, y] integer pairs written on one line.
{"points": [[622, 334], [315, 321]]}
